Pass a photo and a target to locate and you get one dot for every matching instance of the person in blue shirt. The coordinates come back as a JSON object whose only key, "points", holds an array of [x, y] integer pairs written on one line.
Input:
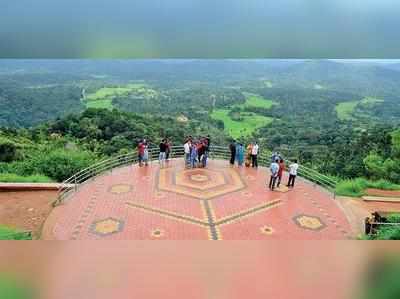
{"points": [[193, 155], [274, 168], [240, 154]]}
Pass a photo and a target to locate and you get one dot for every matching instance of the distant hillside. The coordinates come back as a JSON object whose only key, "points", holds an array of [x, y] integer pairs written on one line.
{"points": [[34, 91]]}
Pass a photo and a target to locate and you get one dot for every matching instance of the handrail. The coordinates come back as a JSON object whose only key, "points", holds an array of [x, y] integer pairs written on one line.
{"points": [[73, 183]]}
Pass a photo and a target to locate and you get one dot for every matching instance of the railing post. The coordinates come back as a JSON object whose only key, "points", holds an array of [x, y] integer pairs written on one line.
{"points": [[76, 186]]}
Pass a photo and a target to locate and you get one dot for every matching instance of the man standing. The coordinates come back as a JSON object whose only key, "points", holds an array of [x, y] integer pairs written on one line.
{"points": [[162, 155], [200, 151], [274, 168], [232, 149], [141, 147], [208, 139], [193, 154], [254, 154], [186, 148], [292, 173], [146, 153]]}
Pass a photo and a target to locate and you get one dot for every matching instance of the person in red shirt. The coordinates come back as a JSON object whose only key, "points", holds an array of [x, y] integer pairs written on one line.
{"points": [[168, 149], [141, 147], [280, 171]]}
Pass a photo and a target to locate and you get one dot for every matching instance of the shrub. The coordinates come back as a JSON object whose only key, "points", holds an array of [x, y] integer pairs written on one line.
{"points": [[7, 233], [374, 164], [382, 278], [383, 184], [356, 187], [56, 164], [8, 150], [14, 288], [387, 232], [353, 188], [62, 164]]}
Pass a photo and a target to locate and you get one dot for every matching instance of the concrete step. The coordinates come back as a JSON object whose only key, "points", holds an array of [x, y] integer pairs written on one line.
{"points": [[382, 193], [381, 198], [6, 187]]}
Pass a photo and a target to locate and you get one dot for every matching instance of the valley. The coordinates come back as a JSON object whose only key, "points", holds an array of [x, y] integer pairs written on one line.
{"points": [[322, 112]]}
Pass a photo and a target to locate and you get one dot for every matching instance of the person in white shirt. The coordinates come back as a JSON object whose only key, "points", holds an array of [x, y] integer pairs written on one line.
{"points": [[254, 153], [292, 173], [186, 148]]}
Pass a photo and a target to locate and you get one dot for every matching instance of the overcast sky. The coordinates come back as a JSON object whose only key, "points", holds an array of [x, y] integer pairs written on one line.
{"points": [[200, 28]]}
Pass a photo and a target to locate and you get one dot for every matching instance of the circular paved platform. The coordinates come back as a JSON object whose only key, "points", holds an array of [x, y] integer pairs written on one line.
{"points": [[217, 203]]}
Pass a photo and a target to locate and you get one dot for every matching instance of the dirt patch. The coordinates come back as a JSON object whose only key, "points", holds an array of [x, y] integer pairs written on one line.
{"points": [[383, 193], [26, 210]]}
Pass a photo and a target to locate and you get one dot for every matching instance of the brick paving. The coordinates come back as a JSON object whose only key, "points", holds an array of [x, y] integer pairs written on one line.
{"points": [[174, 203]]}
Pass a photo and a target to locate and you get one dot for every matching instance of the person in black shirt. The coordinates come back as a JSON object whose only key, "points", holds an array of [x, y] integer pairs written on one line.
{"points": [[232, 148], [162, 155]]}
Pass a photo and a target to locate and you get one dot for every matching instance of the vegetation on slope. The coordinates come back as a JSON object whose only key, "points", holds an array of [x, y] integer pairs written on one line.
{"points": [[13, 288], [58, 149], [356, 187], [388, 232], [7, 233], [14, 178], [381, 279]]}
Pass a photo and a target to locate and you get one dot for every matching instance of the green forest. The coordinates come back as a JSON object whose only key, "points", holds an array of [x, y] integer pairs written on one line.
{"points": [[337, 118]]}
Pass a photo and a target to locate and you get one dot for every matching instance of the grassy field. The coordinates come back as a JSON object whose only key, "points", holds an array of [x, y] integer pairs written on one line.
{"points": [[245, 127], [250, 121], [103, 97], [106, 104], [345, 110], [14, 178], [253, 100]]}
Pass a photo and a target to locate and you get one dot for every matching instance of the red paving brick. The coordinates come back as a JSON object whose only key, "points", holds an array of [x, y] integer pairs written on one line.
{"points": [[219, 202]]}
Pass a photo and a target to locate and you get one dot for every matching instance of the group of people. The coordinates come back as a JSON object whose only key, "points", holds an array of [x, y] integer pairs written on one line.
{"points": [[196, 151], [165, 150], [143, 151], [277, 167], [247, 156]]}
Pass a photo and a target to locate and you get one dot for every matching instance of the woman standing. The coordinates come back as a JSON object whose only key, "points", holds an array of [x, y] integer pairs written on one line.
{"points": [[280, 171], [248, 155], [240, 154], [168, 149]]}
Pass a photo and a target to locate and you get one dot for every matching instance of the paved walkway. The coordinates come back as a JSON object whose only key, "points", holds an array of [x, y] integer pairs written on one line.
{"points": [[217, 203]]}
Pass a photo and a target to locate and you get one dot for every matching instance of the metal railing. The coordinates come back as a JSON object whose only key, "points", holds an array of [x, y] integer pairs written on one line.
{"points": [[72, 184]]}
